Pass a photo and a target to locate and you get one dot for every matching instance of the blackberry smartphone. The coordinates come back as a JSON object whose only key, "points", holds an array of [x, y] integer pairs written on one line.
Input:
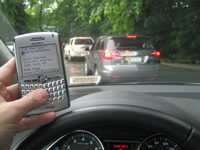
{"points": [[40, 64]]}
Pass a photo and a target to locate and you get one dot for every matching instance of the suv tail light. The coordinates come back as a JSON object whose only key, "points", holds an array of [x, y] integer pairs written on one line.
{"points": [[111, 55], [155, 53]]}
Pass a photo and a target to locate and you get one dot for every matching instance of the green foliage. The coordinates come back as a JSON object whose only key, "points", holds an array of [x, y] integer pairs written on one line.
{"points": [[17, 15], [173, 25]]}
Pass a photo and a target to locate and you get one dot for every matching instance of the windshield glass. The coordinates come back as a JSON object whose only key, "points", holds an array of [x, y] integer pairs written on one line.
{"points": [[143, 42], [83, 42], [129, 43]]}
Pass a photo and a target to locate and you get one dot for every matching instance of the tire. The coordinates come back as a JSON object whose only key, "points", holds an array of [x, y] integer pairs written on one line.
{"points": [[87, 70]]}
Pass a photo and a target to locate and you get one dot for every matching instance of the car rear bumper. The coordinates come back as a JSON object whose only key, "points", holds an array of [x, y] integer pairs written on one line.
{"points": [[82, 54], [130, 72]]}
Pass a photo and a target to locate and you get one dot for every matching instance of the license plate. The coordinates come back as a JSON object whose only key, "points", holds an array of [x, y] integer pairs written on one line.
{"points": [[136, 59]]}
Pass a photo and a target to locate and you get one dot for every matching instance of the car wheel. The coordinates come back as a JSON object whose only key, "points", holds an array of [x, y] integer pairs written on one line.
{"points": [[87, 70]]}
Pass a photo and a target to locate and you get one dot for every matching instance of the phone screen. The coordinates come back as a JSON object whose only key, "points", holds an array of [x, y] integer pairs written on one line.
{"points": [[39, 59]]}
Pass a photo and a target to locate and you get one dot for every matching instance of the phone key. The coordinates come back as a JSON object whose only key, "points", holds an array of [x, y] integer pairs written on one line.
{"points": [[45, 86], [50, 84], [50, 90], [26, 86], [22, 87], [59, 93], [60, 98], [27, 91], [63, 86], [40, 85], [23, 92], [62, 81], [31, 86], [55, 94], [59, 88], [35, 86], [54, 89], [55, 99], [54, 83], [64, 92], [58, 82]]}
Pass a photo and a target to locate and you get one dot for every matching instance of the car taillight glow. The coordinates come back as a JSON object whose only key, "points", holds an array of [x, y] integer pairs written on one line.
{"points": [[72, 47], [111, 55], [131, 36], [155, 53]]}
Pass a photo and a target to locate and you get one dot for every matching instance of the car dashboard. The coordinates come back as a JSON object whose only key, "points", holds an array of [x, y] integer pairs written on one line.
{"points": [[122, 117]]}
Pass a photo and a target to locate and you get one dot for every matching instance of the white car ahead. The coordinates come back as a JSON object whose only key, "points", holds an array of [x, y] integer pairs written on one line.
{"points": [[75, 47]]}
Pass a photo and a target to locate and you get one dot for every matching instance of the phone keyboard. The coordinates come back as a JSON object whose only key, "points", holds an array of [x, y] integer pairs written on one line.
{"points": [[56, 90]]}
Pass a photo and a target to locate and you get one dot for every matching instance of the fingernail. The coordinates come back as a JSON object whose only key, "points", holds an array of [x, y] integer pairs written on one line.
{"points": [[43, 93]]}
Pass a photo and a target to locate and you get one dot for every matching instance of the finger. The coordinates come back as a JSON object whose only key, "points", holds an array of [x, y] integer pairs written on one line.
{"points": [[13, 91], [7, 72], [31, 101], [36, 121]]}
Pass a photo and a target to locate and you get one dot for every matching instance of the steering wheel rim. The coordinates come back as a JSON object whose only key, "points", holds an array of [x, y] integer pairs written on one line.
{"points": [[112, 114]]}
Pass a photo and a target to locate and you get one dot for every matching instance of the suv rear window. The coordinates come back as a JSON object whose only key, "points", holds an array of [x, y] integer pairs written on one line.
{"points": [[83, 42], [129, 43]]}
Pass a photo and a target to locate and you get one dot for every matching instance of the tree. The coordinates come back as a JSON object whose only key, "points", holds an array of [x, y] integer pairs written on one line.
{"points": [[173, 25], [17, 15]]}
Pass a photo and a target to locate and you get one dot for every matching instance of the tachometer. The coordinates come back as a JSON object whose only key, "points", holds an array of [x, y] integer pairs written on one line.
{"points": [[159, 142], [78, 140]]}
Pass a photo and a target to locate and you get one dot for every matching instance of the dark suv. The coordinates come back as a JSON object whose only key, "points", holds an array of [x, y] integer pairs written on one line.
{"points": [[123, 58]]}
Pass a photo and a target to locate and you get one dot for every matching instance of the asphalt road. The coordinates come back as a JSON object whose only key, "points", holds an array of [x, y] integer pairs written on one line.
{"points": [[169, 73]]}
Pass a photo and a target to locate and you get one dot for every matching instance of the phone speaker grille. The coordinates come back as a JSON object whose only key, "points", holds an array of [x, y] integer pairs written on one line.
{"points": [[37, 39]]}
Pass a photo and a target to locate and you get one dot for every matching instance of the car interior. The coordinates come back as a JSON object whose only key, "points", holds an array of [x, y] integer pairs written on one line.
{"points": [[127, 115], [118, 116]]}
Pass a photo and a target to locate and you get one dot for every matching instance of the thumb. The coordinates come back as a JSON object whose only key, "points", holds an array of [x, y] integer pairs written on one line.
{"points": [[31, 101]]}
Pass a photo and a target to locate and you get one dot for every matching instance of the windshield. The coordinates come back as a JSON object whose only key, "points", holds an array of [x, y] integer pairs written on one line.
{"points": [[135, 42], [129, 43], [83, 42]]}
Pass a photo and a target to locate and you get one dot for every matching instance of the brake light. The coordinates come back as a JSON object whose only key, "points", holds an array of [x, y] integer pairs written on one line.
{"points": [[62, 47], [155, 53], [72, 47], [111, 55], [131, 36]]}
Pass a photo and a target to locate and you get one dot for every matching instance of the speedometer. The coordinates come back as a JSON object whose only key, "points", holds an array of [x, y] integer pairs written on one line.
{"points": [[159, 142], [78, 140]]}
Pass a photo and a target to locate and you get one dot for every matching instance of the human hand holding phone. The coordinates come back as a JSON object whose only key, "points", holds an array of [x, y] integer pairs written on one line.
{"points": [[13, 108]]}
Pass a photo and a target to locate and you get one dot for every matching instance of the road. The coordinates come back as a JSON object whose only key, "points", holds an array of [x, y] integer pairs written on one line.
{"points": [[168, 73]]}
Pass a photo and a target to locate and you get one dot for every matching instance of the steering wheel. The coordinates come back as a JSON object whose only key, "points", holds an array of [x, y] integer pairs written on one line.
{"points": [[118, 108]]}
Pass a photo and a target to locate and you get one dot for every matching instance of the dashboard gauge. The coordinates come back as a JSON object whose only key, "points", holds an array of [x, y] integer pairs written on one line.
{"points": [[159, 142], [78, 140]]}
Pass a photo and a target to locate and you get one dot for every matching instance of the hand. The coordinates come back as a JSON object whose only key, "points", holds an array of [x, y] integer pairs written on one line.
{"points": [[12, 109]]}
